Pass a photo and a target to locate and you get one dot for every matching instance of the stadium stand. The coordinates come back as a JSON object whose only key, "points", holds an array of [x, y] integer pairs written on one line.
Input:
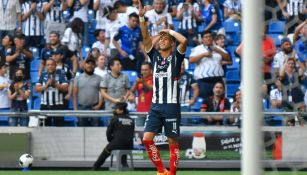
{"points": [[276, 27]]}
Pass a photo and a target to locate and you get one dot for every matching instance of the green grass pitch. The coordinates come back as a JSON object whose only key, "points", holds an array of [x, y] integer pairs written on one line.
{"points": [[35, 172]]}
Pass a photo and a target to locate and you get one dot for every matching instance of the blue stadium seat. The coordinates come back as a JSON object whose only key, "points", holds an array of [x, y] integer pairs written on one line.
{"points": [[92, 39], [233, 76], [176, 24], [277, 38], [104, 121], [34, 94], [231, 88], [70, 121], [35, 65], [35, 52], [85, 50], [276, 27], [235, 64], [92, 26], [91, 15], [4, 120], [192, 66], [201, 27], [37, 103], [197, 105], [132, 75], [232, 27], [188, 51], [34, 77]]}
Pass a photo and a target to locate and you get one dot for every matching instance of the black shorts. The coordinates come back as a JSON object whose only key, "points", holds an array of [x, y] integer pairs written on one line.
{"points": [[167, 115]]}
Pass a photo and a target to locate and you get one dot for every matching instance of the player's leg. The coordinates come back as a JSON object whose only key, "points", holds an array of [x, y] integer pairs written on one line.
{"points": [[153, 125], [172, 131]]}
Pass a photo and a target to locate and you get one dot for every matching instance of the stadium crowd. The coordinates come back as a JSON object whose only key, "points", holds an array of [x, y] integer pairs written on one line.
{"points": [[89, 55]]}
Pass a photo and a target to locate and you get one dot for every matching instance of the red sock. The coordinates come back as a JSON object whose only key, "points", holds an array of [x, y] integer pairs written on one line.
{"points": [[154, 155], [174, 158]]}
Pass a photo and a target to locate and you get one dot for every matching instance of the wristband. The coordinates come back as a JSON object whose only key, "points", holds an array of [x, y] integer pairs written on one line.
{"points": [[171, 32], [142, 19]]}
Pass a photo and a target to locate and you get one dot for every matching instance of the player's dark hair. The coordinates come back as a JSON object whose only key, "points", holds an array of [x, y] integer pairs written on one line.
{"points": [[206, 32]]}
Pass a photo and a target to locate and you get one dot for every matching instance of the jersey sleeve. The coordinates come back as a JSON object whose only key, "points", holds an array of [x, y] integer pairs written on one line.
{"points": [[151, 54], [118, 35], [179, 56]]}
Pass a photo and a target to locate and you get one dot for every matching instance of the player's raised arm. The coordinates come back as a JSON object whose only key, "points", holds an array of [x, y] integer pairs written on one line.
{"points": [[146, 38], [183, 41]]}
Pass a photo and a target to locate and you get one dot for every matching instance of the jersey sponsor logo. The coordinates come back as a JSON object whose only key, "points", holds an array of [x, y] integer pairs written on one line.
{"points": [[125, 121], [161, 74], [155, 155]]}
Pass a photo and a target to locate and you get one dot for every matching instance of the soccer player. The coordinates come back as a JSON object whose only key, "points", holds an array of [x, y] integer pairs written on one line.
{"points": [[165, 109]]}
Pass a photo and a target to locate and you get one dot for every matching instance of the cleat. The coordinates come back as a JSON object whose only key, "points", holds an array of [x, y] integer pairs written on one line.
{"points": [[164, 173]]}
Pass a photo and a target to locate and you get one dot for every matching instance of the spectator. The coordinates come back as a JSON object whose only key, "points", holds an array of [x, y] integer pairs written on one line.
{"points": [[143, 86], [99, 6], [217, 103], [189, 15], [54, 44], [80, 8], [7, 44], [285, 52], [52, 85], [54, 22], [290, 79], [212, 18], [19, 92], [294, 12], [72, 38], [232, 10], [33, 22], [58, 56], [124, 11], [189, 90], [114, 23], [220, 41], [276, 96], [131, 42], [300, 40], [209, 68], [100, 40], [268, 52], [19, 57], [120, 133], [115, 85], [86, 90], [158, 17], [10, 15], [5, 102], [237, 106], [101, 69]]}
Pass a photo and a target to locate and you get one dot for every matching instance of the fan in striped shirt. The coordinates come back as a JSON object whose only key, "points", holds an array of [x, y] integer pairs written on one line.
{"points": [[165, 110]]}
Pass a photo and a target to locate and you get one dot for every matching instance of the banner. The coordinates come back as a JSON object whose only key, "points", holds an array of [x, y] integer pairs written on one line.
{"points": [[210, 145]]}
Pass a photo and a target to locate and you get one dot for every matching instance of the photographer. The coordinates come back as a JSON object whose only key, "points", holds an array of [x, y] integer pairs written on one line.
{"points": [[120, 133], [53, 85], [19, 92]]}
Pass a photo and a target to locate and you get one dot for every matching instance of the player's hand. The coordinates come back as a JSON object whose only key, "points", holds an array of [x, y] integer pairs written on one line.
{"points": [[139, 80], [141, 9], [191, 102]]}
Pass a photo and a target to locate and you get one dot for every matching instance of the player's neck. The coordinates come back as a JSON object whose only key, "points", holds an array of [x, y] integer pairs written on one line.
{"points": [[165, 53]]}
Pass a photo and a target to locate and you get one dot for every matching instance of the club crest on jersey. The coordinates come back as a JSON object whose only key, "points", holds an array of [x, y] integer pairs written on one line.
{"points": [[161, 74]]}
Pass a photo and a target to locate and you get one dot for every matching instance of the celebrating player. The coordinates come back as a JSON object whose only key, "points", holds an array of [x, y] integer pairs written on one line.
{"points": [[165, 109]]}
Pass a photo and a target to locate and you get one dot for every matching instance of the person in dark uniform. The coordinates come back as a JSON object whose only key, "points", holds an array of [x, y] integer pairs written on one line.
{"points": [[120, 133]]}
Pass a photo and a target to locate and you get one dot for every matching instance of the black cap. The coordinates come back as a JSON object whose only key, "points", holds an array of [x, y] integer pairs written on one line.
{"points": [[284, 40], [121, 105], [90, 59], [58, 51], [19, 35]]}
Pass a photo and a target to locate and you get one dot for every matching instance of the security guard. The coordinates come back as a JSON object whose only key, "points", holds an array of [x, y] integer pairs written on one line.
{"points": [[120, 134]]}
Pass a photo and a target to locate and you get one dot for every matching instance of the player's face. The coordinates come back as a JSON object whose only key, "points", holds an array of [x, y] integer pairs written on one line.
{"points": [[50, 66], [54, 39], [165, 43], [133, 22], [218, 90], [145, 71]]}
